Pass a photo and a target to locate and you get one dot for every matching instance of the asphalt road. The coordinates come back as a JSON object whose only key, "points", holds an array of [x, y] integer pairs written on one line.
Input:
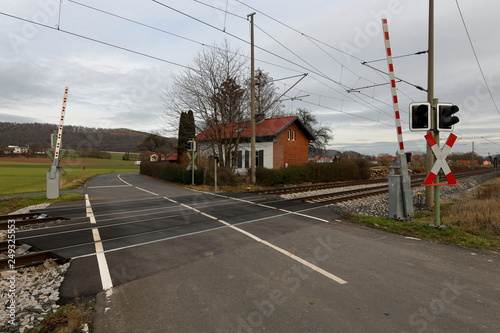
{"points": [[177, 260]]}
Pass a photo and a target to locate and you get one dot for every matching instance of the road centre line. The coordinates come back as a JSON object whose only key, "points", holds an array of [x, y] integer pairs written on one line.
{"points": [[101, 258], [120, 178], [153, 193], [276, 248]]}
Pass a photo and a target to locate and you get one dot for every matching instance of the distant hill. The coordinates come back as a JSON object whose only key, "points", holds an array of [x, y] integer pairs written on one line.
{"points": [[74, 137]]}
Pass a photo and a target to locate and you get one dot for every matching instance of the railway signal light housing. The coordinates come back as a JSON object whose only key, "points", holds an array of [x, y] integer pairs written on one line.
{"points": [[420, 116], [445, 116]]}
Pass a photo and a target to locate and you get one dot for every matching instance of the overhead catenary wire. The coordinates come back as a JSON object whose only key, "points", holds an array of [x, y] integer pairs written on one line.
{"points": [[256, 46], [120, 47], [305, 35], [475, 56], [311, 39], [97, 41]]}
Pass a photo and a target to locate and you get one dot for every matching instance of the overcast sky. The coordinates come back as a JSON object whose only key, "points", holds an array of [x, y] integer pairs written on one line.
{"points": [[113, 87]]}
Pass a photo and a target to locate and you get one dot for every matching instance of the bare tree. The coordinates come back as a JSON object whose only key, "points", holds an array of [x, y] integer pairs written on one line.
{"points": [[213, 89], [154, 143], [266, 96], [322, 133]]}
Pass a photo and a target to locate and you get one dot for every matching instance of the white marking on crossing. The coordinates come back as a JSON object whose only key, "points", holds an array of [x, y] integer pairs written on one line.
{"points": [[109, 186], [153, 193], [99, 249], [279, 249], [150, 242], [280, 209], [288, 254]]}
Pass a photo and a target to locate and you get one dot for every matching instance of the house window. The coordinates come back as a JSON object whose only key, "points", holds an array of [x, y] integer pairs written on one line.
{"points": [[240, 159], [289, 135], [293, 135], [247, 159], [259, 158]]}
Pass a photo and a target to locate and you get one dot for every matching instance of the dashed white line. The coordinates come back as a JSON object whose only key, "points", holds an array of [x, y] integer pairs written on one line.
{"points": [[139, 188], [153, 193]]}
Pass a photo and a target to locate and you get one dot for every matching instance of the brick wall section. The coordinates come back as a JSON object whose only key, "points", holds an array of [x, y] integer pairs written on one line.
{"points": [[290, 151]]}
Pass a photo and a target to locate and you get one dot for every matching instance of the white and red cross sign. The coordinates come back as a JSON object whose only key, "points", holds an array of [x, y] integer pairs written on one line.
{"points": [[440, 160]]}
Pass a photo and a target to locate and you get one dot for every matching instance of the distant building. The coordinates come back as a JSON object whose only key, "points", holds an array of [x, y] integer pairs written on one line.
{"points": [[280, 142], [16, 150]]}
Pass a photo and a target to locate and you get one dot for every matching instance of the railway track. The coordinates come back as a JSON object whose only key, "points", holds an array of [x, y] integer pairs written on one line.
{"points": [[22, 220], [353, 194], [15, 253]]}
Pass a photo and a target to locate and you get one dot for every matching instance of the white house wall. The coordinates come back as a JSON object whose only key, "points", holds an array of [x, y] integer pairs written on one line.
{"points": [[267, 147]]}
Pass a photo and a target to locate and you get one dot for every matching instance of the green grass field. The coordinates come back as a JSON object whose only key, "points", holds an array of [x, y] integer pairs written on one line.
{"points": [[25, 177]]}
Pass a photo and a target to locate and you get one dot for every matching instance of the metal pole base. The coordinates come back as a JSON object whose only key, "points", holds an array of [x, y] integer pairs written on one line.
{"points": [[53, 186]]}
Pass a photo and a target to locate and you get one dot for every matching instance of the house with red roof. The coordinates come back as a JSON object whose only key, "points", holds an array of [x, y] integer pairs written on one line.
{"points": [[280, 142]]}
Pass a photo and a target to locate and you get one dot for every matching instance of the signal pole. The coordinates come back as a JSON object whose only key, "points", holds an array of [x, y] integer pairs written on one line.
{"points": [[252, 102], [429, 192]]}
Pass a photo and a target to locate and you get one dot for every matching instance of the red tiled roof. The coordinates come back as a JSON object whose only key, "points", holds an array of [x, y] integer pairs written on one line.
{"points": [[268, 127], [172, 158]]}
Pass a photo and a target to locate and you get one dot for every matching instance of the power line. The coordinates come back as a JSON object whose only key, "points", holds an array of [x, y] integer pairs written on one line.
{"points": [[260, 48], [475, 55], [303, 34], [150, 56], [97, 41]]}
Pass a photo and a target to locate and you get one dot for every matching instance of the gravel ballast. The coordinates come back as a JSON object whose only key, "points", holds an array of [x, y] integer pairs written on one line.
{"points": [[34, 290], [378, 205]]}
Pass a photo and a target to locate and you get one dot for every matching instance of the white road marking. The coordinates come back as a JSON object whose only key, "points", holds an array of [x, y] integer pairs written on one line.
{"points": [[150, 242], [120, 178], [277, 248], [266, 206], [288, 254], [109, 186], [99, 249], [153, 193]]}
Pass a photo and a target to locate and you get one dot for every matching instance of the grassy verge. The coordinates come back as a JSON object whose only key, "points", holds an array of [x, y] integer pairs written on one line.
{"points": [[472, 221], [20, 177], [11, 204], [69, 318]]}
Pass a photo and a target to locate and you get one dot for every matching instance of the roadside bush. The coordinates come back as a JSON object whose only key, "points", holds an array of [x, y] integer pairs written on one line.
{"points": [[314, 173], [225, 177], [171, 172]]}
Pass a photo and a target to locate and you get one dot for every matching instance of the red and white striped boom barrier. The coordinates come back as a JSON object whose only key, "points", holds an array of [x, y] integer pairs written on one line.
{"points": [[406, 190], [61, 124], [55, 162]]}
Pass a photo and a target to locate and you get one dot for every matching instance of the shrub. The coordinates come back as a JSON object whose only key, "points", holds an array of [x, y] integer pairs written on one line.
{"points": [[171, 172], [314, 173]]}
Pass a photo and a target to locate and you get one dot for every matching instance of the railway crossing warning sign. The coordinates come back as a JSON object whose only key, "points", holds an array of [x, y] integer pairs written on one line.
{"points": [[440, 160]]}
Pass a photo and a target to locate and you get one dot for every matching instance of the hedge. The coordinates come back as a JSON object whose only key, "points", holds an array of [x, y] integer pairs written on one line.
{"points": [[171, 172], [314, 173]]}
